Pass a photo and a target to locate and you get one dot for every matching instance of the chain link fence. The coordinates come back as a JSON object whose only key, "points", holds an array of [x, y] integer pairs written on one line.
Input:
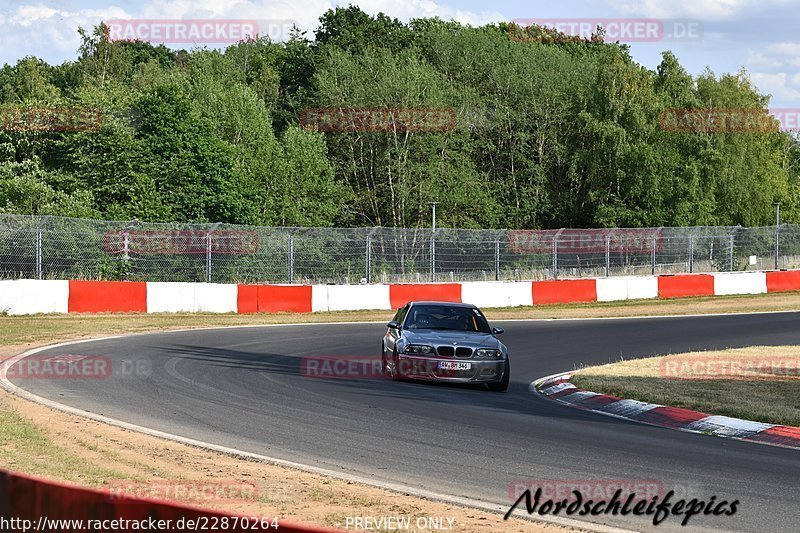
{"points": [[47, 247]]}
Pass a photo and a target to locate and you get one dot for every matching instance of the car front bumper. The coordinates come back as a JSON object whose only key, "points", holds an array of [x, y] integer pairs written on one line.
{"points": [[427, 368]]}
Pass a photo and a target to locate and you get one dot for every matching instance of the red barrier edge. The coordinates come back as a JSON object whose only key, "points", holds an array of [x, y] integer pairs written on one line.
{"points": [[783, 281], [564, 291], [284, 298], [107, 297], [683, 285], [674, 417], [246, 299], [402, 293], [28, 497]]}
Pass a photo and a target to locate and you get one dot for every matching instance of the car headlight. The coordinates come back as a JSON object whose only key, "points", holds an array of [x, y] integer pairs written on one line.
{"points": [[418, 349], [485, 352]]}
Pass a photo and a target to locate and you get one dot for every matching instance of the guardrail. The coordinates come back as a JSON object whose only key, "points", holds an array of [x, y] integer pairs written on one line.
{"points": [[20, 297]]}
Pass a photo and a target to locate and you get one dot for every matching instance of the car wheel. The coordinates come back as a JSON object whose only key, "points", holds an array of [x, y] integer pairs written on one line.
{"points": [[384, 365], [395, 367], [502, 385]]}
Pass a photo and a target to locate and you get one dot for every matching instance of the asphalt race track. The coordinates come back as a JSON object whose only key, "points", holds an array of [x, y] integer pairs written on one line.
{"points": [[242, 388]]}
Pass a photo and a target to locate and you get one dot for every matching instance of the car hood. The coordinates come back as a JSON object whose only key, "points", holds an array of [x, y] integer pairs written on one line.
{"points": [[473, 340]]}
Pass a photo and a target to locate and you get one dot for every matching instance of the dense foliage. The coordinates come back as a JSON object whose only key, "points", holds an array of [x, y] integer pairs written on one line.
{"points": [[549, 132]]}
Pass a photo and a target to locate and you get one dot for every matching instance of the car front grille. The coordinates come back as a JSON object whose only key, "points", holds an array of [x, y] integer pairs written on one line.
{"points": [[463, 352], [450, 351], [445, 351]]}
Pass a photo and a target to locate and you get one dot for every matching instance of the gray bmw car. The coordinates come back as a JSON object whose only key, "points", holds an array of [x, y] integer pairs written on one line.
{"points": [[442, 341]]}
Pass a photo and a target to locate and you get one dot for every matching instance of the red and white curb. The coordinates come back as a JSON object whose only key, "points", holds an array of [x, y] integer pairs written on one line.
{"points": [[558, 388]]}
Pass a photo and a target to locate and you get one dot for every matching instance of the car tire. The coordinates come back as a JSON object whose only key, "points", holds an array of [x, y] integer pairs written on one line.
{"points": [[384, 365], [395, 364], [502, 385]]}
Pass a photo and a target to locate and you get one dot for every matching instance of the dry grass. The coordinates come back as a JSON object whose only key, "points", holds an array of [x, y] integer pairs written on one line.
{"points": [[43, 442], [757, 383]]}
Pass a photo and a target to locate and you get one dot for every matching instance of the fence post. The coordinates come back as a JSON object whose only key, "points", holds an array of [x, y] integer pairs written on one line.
{"points": [[291, 256], [208, 257], [731, 246], [433, 255], [691, 252], [653, 256], [497, 259], [730, 253], [777, 245], [39, 247], [126, 244], [208, 251], [369, 253], [555, 253], [368, 259], [39, 252], [608, 253]]}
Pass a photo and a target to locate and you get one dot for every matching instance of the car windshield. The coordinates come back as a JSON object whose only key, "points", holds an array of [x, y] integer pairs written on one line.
{"points": [[446, 318]]}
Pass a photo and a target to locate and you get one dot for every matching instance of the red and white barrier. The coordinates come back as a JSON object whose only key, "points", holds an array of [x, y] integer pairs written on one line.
{"points": [[612, 289], [627, 288], [564, 291], [107, 297], [783, 281], [37, 503], [350, 297], [497, 293], [274, 299], [401, 294], [29, 297], [642, 287], [191, 298], [20, 297], [740, 283], [683, 285]]}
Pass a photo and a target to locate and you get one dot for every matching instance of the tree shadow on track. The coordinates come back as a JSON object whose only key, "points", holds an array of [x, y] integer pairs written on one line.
{"points": [[408, 394]]}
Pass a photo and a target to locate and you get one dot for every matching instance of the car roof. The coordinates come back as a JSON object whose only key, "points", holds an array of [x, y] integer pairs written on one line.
{"points": [[449, 304]]}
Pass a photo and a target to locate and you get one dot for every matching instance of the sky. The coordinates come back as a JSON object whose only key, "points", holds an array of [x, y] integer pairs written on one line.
{"points": [[760, 36]]}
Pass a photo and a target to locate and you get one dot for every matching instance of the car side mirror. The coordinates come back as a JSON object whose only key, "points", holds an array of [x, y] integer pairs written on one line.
{"points": [[497, 331], [393, 325]]}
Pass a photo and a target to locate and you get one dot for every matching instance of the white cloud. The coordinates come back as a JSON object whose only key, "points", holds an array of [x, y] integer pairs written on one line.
{"points": [[775, 71], [779, 85], [785, 49], [305, 13], [425, 8], [48, 30], [703, 9], [785, 53], [759, 60]]}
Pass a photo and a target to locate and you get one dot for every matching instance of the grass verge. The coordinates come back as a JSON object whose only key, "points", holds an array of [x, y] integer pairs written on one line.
{"points": [[46, 443], [758, 383]]}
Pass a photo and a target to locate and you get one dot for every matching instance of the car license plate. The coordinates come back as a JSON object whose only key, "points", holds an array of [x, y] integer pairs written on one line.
{"points": [[450, 365]]}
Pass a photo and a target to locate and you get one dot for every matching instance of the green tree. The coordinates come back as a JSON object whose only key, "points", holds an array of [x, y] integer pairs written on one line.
{"points": [[24, 190]]}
